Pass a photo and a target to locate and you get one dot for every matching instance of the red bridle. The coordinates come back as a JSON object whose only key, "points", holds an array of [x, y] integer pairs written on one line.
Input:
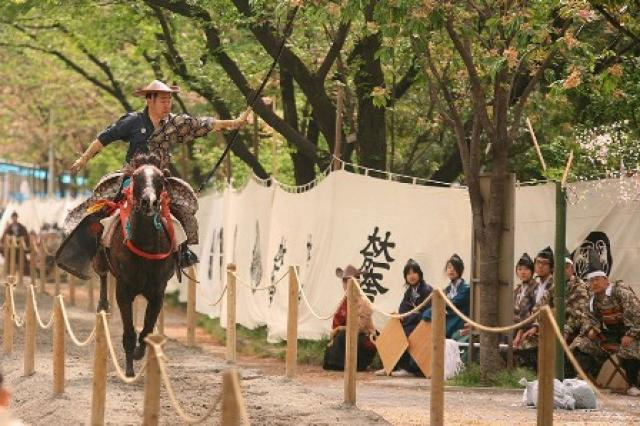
{"points": [[126, 208]]}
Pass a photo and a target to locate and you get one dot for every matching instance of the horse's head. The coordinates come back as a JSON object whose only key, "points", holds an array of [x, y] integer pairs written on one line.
{"points": [[148, 184]]}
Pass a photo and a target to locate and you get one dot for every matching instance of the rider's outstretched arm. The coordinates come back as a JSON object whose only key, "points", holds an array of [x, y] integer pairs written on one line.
{"points": [[237, 123], [95, 147]]}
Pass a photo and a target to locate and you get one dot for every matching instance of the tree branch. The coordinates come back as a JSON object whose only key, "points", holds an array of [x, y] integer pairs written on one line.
{"points": [[334, 51]]}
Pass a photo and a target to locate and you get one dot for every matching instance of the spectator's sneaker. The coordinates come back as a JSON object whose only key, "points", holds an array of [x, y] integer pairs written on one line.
{"points": [[633, 391], [380, 372], [401, 373]]}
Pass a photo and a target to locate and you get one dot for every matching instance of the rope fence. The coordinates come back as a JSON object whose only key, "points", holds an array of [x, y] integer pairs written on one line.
{"points": [[155, 368]]}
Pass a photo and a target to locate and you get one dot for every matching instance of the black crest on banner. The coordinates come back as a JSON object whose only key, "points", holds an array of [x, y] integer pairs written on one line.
{"points": [[598, 242]]}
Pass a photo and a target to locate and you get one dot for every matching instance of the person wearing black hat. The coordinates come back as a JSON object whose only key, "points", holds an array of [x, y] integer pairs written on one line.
{"points": [[612, 326], [335, 351], [458, 292], [416, 291], [524, 295], [526, 354]]}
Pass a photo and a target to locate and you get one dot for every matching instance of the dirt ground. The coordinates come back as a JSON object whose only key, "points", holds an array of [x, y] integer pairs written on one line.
{"points": [[313, 398]]}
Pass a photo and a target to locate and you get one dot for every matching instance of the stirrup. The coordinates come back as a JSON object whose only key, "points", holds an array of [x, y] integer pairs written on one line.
{"points": [[186, 257]]}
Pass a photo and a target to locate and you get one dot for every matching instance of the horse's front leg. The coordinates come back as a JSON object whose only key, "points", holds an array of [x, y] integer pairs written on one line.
{"points": [[125, 301], [150, 317]]}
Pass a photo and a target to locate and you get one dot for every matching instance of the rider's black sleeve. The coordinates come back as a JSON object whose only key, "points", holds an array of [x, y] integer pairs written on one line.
{"points": [[120, 130]]}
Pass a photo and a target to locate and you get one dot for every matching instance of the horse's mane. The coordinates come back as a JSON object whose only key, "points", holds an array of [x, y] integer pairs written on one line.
{"points": [[141, 159]]}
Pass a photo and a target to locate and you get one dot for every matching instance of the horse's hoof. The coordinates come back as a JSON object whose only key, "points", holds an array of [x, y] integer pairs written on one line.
{"points": [[138, 352], [130, 372], [103, 306]]}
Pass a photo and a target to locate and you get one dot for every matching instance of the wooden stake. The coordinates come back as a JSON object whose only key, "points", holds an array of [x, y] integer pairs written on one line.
{"points": [[29, 334], [546, 368], [565, 174], [7, 337], [231, 313], [231, 398], [153, 381], [535, 143], [99, 382], [12, 256], [32, 263], [436, 413], [58, 347], [43, 268], [292, 325], [7, 247], [191, 308], [56, 279], [351, 348], [20, 248]]}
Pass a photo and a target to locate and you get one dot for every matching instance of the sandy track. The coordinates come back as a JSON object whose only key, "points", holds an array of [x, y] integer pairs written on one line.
{"points": [[195, 373], [313, 398]]}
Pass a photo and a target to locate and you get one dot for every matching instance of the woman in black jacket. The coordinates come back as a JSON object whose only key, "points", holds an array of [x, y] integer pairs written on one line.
{"points": [[416, 291]]}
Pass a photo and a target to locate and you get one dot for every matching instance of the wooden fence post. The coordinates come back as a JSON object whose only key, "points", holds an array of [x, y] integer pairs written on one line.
{"points": [[191, 307], [6, 244], [546, 368], [32, 263], [351, 347], [21, 254], [99, 382], [231, 313], [436, 413], [43, 268], [12, 256], [292, 324], [56, 279], [7, 337], [153, 382], [30, 333], [58, 347], [231, 398]]}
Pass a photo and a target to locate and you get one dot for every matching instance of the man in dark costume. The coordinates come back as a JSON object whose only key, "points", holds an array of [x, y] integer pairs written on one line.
{"points": [[154, 129]]}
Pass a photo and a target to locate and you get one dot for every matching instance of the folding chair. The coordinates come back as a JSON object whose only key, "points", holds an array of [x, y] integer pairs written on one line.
{"points": [[611, 349]]}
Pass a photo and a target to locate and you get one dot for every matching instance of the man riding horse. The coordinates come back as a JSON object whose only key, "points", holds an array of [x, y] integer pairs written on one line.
{"points": [[153, 130]]}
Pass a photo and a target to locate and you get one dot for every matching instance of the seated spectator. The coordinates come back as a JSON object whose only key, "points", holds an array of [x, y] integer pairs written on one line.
{"points": [[526, 354], [524, 296], [416, 291], [334, 354], [612, 326], [458, 292], [6, 419]]}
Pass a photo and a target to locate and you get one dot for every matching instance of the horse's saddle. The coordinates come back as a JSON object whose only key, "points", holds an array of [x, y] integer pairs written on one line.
{"points": [[84, 229]]}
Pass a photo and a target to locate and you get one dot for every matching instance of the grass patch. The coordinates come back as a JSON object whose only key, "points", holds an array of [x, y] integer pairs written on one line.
{"points": [[254, 342], [506, 378]]}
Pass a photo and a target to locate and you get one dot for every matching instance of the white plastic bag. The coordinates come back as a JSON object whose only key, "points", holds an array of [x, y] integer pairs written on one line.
{"points": [[562, 398], [581, 393]]}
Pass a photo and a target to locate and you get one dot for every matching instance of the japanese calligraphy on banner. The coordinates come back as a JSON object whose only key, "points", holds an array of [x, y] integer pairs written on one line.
{"points": [[375, 225]]}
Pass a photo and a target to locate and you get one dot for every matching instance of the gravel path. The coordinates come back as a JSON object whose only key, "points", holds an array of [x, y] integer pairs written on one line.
{"points": [[314, 398]]}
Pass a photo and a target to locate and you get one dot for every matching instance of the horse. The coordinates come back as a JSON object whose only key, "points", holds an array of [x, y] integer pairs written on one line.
{"points": [[140, 253]]}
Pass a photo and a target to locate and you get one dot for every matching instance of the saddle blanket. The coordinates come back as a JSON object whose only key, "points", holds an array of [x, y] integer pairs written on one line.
{"points": [[110, 223]]}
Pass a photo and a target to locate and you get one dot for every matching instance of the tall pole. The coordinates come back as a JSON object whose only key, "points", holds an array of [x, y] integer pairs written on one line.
{"points": [[559, 278], [337, 149]]}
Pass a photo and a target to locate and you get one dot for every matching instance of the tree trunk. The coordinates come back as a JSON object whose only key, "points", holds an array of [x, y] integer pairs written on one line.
{"points": [[371, 133], [303, 167]]}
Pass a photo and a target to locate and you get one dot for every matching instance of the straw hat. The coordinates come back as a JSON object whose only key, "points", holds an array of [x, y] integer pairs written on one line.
{"points": [[156, 86]]}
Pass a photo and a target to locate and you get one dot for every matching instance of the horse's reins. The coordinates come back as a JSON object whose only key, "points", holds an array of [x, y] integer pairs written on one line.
{"points": [[125, 214], [287, 33]]}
